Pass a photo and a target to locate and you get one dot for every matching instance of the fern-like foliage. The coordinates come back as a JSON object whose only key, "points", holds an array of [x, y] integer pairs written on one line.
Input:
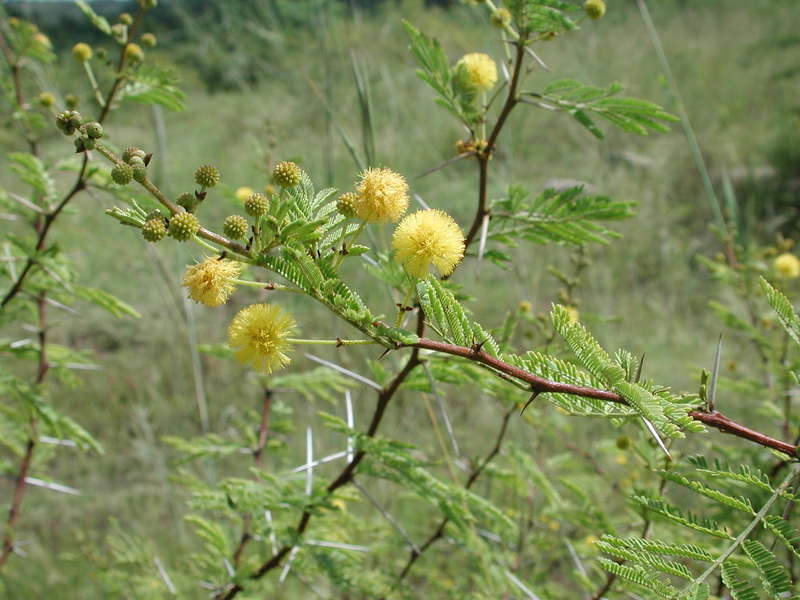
{"points": [[667, 414], [781, 305], [562, 216], [580, 100], [450, 319], [741, 559]]}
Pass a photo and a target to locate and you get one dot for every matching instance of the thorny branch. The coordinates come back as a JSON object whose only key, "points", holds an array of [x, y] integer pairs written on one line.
{"points": [[42, 228], [346, 476]]}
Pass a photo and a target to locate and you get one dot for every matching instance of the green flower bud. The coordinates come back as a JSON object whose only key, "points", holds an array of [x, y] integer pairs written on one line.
{"points": [[126, 19], [188, 201], [136, 161], [71, 100], [595, 9], [148, 40], [500, 17], [148, 4], [80, 145], [119, 31], [75, 119], [132, 151], [46, 99], [139, 172], [134, 53], [122, 173], [183, 226], [256, 205], [235, 227], [207, 176], [346, 204], [94, 130], [286, 174], [154, 230], [82, 52], [63, 123]]}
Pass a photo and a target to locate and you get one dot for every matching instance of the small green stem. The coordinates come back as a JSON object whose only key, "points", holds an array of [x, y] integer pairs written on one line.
{"points": [[336, 342], [205, 244], [269, 286], [400, 311], [93, 82]]}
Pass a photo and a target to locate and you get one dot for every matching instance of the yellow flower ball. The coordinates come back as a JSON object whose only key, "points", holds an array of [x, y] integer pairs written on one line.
{"points": [[259, 337], [82, 52], [479, 69], [211, 281], [787, 265], [382, 196], [243, 193], [425, 238], [595, 9], [134, 53], [42, 41]]}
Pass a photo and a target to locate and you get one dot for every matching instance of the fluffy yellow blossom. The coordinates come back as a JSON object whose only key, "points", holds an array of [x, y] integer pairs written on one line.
{"points": [[382, 196], [243, 193], [211, 281], [479, 69], [787, 265], [259, 337], [428, 237]]}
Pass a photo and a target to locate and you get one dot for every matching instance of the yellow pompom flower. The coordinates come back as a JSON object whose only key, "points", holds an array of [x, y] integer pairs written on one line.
{"points": [[243, 193], [479, 69], [425, 238], [573, 314], [787, 265], [259, 336], [211, 281], [382, 196]]}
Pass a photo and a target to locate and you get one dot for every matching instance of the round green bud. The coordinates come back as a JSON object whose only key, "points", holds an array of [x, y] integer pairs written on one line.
{"points": [[148, 4], [119, 31], [139, 172], [256, 205], [75, 119], [46, 99], [71, 100], [623, 442], [346, 204], [82, 52], [148, 40], [64, 124], [183, 226], [136, 161], [80, 144], [286, 174], [126, 19], [235, 227], [134, 53], [188, 201], [154, 230], [500, 17], [207, 176], [132, 151], [122, 173], [94, 130], [595, 9]]}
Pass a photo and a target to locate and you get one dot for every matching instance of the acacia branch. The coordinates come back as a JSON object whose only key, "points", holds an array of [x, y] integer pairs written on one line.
{"points": [[539, 384]]}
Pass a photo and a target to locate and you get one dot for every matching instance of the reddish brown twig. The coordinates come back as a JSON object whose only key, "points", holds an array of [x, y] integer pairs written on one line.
{"points": [[539, 384]]}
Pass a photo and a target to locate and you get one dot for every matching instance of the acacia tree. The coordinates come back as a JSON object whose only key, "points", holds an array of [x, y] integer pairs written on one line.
{"points": [[517, 537]]}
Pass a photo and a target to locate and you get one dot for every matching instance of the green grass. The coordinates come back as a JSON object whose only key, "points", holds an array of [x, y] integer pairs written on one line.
{"points": [[645, 292]]}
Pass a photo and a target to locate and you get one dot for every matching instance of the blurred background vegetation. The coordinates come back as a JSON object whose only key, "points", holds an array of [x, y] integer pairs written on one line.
{"points": [[274, 80]]}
